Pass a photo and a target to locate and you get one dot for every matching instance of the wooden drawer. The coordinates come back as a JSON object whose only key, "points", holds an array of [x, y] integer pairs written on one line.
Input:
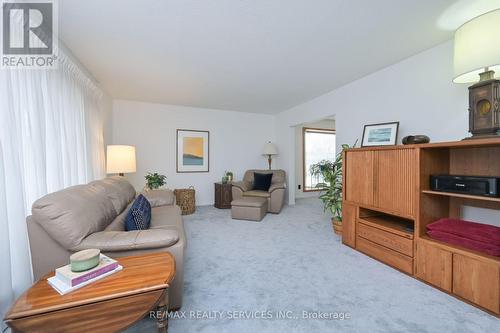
{"points": [[385, 238], [388, 256], [477, 281]]}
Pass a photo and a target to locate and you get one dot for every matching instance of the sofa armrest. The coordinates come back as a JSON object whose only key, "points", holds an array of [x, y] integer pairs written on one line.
{"points": [[277, 186], [158, 198], [114, 241], [243, 185]]}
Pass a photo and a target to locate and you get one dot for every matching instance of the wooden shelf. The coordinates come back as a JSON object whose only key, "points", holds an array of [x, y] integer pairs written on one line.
{"points": [[464, 196], [381, 210], [489, 142], [459, 249], [389, 223]]}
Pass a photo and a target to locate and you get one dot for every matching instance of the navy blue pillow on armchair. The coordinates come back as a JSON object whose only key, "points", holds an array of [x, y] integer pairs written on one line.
{"points": [[262, 181], [139, 215]]}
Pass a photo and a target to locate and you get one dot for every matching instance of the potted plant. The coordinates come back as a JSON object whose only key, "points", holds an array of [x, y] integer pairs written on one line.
{"points": [[229, 175], [155, 181], [331, 187]]}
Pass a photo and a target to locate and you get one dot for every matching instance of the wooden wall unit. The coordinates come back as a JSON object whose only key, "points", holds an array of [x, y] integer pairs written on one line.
{"points": [[388, 204]]}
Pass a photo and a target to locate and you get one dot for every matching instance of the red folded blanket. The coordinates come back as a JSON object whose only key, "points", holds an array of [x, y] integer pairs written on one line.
{"points": [[484, 233], [472, 244]]}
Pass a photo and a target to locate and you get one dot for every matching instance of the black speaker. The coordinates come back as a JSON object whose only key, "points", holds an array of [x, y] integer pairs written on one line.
{"points": [[485, 186]]}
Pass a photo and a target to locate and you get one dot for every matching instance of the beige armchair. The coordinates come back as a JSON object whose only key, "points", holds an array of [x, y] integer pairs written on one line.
{"points": [[275, 195]]}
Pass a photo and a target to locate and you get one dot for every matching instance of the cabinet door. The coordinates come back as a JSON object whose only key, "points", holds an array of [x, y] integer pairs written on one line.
{"points": [[477, 281], [396, 181], [217, 196], [227, 196], [434, 265], [349, 224], [359, 177]]}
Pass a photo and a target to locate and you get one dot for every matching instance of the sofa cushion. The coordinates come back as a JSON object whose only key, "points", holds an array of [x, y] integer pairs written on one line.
{"points": [[110, 241], [117, 189], [118, 224], [139, 215], [260, 194], [249, 202], [72, 214], [262, 181], [166, 216], [158, 198]]}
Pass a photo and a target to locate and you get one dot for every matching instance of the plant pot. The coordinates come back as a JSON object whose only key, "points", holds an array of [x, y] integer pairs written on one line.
{"points": [[337, 226]]}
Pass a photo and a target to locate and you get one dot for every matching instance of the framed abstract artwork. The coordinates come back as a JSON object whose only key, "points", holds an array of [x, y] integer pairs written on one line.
{"points": [[193, 151], [384, 134]]}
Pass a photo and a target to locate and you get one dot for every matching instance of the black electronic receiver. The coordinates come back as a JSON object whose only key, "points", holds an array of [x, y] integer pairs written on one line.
{"points": [[484, 186]]}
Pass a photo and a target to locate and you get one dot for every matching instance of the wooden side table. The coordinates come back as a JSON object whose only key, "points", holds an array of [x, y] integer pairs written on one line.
{"points": [[108, 305], [223, 195]]}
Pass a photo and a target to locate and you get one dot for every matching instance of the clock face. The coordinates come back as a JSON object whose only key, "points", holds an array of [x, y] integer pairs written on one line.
{"points": [[483, 107]]}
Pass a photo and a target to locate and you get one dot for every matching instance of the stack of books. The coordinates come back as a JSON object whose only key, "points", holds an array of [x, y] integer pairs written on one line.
{"points": [[65, 280]]}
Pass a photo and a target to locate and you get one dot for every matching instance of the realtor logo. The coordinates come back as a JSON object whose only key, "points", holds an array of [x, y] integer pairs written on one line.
{"points": [[29, 34]]}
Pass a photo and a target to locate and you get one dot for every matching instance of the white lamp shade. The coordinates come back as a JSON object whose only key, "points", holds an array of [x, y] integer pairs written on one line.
{"points": [[477, 46], [270, 149], [120, 159]]}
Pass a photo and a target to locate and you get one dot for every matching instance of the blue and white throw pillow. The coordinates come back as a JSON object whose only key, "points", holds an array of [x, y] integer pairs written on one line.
{"points": [[139, 215]]}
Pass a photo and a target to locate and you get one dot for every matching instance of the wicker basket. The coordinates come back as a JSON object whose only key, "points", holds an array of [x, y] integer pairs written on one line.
{"points": [[185, 200]]}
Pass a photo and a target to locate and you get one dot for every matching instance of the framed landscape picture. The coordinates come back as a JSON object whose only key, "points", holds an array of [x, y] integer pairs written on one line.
{"points": [[384, 134], [193, 150]]}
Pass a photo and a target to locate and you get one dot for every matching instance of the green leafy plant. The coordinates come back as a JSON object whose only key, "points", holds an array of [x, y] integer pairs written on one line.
{"points": [[228, 175], [331, 187], [155, 180]]}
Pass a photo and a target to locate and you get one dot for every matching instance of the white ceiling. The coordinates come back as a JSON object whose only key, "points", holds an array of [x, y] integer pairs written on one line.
{"points": [[245, 55]]}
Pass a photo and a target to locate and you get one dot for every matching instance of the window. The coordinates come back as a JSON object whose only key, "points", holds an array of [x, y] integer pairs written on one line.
{"points": [[319, 144]]}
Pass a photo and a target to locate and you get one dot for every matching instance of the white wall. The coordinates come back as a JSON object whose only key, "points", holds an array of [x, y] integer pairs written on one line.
{"points": [[236, 142], [299, 153], [418, 92]]}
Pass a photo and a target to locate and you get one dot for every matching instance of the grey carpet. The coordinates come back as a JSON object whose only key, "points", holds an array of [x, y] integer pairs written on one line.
{"points": [[293, 262]]}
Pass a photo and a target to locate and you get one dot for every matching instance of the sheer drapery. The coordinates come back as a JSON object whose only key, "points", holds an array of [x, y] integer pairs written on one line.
{"points": [[51, 137]]}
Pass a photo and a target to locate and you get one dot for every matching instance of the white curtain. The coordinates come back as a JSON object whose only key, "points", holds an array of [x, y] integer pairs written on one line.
{"points": [[51, 137]]}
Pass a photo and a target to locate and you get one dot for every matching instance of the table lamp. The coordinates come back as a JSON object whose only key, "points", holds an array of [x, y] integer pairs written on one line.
{"points": [[270, 150], [120, 159], [477, 59]]}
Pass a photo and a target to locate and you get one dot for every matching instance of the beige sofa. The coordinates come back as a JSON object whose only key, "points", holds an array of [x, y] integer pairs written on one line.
{"points": [[275, 196], [92, 216]]}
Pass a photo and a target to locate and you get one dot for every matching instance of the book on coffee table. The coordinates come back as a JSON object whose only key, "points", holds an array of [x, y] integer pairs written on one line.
{"points": [[64, 288], [66, 275]]}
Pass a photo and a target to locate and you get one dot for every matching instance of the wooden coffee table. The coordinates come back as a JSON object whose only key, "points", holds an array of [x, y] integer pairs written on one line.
{"points": [[108, 305]]}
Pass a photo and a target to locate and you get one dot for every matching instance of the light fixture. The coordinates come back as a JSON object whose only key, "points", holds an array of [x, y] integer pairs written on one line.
{"points": [[477, 59], [120, 159], [270, 150]]}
